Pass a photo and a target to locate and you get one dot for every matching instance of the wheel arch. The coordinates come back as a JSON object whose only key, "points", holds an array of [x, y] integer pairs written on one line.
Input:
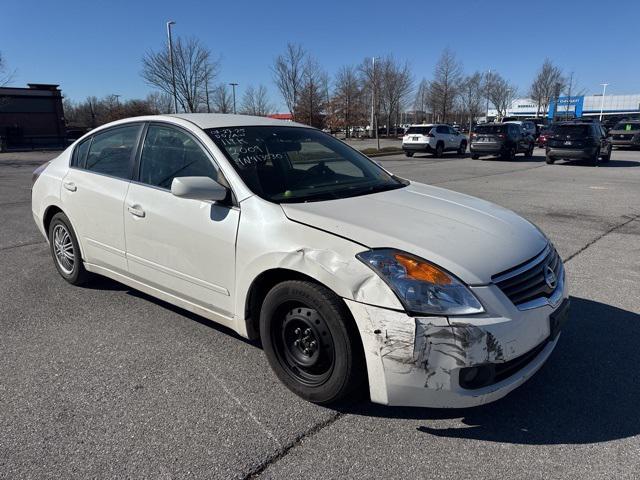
{"points": [[48, 215]]}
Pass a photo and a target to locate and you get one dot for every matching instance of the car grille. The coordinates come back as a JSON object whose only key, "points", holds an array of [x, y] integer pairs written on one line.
{"points": [[532, 280], [623, 137]]}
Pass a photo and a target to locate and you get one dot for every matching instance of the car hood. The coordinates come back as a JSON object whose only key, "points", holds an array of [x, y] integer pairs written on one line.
{"points": [[469, 237]]}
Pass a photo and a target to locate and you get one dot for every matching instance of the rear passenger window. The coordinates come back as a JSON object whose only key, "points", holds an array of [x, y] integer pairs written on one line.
{"points": [[110, 152], [442, 129], [168, 153], [80, 154]]}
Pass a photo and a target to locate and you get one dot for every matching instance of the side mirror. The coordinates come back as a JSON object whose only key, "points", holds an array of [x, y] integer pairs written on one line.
{"points": [[198, 188]]}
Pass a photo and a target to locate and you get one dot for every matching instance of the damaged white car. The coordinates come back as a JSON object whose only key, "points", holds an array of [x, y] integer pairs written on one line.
{"points": [[351, 277]]}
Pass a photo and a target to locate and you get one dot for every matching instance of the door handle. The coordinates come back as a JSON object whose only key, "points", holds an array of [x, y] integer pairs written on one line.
{"points": [[70, 186], [136, 211]]}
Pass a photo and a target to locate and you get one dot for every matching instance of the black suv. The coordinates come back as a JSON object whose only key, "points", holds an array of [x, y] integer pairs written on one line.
{"points": [[503, 139], [578, 140]]}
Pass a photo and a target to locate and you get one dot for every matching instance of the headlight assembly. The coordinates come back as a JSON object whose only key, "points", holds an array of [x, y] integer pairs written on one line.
{"points": [[422, 287]]}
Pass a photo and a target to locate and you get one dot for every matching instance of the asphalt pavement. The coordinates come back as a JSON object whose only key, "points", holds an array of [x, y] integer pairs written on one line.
{"points": [[105, 382]]}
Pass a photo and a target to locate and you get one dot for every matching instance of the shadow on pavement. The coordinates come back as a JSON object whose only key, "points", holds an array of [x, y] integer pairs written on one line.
{"points": [[609, 164], [588, 392]]}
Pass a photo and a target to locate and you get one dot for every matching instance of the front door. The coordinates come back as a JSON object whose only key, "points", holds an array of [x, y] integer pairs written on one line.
{"points": [[181, 246]]}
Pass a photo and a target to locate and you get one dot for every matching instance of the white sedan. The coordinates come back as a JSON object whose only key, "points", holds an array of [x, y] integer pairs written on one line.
{"points": [[353, 279]]}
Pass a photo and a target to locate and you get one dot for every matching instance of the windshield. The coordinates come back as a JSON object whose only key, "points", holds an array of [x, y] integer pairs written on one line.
{"points": [[490, 129], [419, 130], [627, 126], [292, 164]]}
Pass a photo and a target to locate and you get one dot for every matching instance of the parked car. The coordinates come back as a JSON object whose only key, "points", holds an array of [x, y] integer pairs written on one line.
{"points": [[349, 275], [501, 139], [527, 125], [625, 134], [433, 138], [575, 140]]}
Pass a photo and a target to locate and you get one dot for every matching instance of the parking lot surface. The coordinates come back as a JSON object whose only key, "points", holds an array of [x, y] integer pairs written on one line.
{"points": [[103, 381]]}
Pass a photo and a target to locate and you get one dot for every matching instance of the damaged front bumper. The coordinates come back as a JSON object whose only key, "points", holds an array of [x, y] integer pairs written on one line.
{"points": [[418, 361]]}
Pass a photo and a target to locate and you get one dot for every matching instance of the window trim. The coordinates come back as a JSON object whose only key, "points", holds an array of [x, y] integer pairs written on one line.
{"points": [[90, 138], [135, 177]]}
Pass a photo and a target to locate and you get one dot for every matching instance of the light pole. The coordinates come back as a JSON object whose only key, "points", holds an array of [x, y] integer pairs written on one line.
{"points": [[173, 70], [604, 90], [233, 86], [486, 118]]}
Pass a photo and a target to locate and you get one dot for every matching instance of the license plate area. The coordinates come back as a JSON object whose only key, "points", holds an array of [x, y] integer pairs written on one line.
{"points": [[558, 318]]}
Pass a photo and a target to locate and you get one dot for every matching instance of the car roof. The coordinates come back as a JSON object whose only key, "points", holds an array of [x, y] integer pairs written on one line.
{"points": [[424, 125], [218, 120]]}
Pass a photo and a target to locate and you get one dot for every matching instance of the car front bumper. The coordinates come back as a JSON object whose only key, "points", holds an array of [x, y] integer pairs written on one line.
{"points": [[581, 153], [417, 361]]}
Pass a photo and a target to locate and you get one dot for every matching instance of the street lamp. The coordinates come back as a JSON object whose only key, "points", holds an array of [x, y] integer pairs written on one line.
{"points": [[173, 70], [604, 90], [233, 86]]}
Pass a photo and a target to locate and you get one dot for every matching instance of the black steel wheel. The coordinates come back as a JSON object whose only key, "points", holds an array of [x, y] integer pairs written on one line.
{"points": [[311, 342]]}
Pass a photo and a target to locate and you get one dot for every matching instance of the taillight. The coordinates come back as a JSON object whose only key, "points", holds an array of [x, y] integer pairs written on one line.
{"points": [[501, 135], [38, 171], [474, 135]]}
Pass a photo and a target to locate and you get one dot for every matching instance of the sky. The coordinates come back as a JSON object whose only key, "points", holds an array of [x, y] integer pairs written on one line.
{"points": [[95, 47]]}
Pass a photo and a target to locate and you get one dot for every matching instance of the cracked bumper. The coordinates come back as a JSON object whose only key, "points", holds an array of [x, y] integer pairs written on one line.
{"points": [[417, 361]]}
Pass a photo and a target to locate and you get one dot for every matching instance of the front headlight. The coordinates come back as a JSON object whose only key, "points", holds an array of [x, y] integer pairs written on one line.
{"points": [[421, 286]]}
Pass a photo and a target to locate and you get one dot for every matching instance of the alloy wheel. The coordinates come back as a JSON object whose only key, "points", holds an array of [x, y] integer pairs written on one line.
{"points": [[63, 249]]}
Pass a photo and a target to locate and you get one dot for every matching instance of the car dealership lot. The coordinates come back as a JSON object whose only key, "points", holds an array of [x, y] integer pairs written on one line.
{"points": [[104, 381]]}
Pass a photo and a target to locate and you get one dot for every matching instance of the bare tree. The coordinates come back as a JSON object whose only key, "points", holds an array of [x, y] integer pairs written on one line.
{"points": [[160, 102], [94, 112], [221, 99], [371, 81], [446, 82], [255, 101], [500, 92], [546, 83], [5, 75], [346, 102], [471, 96], [195, 70], [288, 71], [312, 97], [421, 101], [396, 85]]}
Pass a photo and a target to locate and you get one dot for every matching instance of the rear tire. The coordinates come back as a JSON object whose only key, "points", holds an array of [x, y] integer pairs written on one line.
{"points": [[463, 148], [439, 150], [529, 152], [607, 157], [311, 343], [550, 160], [409, 154], [510, 154], [475, 156], [595, 158], [65, 251]]}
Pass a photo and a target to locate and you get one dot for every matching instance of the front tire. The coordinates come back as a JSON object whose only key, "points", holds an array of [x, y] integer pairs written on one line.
{"points": [[550, 160], [311, 342], [409, 154], [66, 251], [529, 152], [607, 157], [475, 156], [510, 154], [463, 148]]}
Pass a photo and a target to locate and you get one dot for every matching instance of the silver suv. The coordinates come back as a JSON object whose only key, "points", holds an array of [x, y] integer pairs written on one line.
{"points": [[433, 138]]}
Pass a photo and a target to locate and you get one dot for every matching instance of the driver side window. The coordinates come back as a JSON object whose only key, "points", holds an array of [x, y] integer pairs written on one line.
{"points": [[168, 153]]}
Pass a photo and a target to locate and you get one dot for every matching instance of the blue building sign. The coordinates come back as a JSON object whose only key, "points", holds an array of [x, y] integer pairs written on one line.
{"points": [[566, 106]]}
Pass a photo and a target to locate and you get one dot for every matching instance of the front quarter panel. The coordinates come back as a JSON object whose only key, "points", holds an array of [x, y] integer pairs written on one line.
{"points": [[268, 240]]}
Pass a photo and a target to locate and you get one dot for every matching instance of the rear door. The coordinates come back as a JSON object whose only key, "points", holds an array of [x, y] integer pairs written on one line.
{"points": [[181, 246], [94, 190]]}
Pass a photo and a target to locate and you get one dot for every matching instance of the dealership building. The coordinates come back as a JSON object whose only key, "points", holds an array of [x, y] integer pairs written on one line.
{"points": [[577, 106]]}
